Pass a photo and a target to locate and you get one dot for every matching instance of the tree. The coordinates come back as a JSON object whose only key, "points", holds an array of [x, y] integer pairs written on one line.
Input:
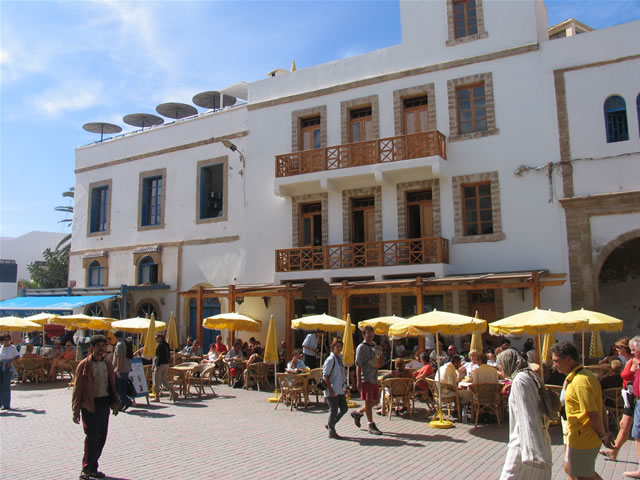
{"points": [[65, 243], [52, 273]]}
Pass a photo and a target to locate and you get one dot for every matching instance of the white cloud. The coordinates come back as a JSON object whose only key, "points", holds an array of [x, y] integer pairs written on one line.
{"points": [[69, 95], [17, 60]]}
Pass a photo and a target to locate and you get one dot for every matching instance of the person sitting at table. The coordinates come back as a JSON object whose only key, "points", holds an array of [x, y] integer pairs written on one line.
{"points": [[400, 348], [491, 357], [235, 358], [257, 356], [399, 372], [443, 354], [220, 347], [466, 350], [415, 362], [296, 365], [56, 351], [426, 371], [472, 364], [29, 353], [187, 348], [196, 349], [451, 351], [451, 374], [484, 373], [64, 357], [612, 378], [532, 360]]}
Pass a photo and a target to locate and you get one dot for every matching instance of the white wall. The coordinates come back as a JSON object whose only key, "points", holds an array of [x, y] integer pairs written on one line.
{"points": [[28, 248]]}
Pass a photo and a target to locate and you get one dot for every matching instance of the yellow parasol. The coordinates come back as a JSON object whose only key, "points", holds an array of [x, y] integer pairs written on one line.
{"points": [[42, 319], [598, 322], [271, 354], [232, 321], [549, 340], [380, 325], [150, 343], [476, 340], [17, 324], [347, 343], [537, 322], [85, 322], [324, 322], [436, 322], [137, 325], [595, 347], [172, 333]]}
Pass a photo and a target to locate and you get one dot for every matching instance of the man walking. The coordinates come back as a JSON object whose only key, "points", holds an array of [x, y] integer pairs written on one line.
{"points": [[368, 360], [94, 391], [161, 369], [310, 348], [586, 421], [122, 365]]}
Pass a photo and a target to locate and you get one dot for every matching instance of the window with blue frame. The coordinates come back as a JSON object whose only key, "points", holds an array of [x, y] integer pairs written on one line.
{"points": [[615, 119], [96, 274], [151, 214], [211, 191], [99, 205], [147, 271]]}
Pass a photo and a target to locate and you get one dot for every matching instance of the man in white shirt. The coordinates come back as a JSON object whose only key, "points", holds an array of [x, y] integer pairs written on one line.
{"points": [[484, 373], [451, 374], [310, 348]]}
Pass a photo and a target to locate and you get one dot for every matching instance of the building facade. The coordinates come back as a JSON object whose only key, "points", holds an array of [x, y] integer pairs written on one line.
{"points": [[476, 167]]}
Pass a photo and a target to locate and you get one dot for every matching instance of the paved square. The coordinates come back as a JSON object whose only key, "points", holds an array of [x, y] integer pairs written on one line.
{"points": [[239, 435]]}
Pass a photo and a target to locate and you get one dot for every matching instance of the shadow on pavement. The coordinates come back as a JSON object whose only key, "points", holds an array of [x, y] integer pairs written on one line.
{"points": [[382, 441], [425, 438], [11, 413], [146, 413]]}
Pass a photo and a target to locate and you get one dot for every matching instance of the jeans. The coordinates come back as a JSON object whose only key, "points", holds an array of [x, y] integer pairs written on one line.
{"points": [[5, 385], [95, 426], [339, 401], [122, 379], [310, 361]]}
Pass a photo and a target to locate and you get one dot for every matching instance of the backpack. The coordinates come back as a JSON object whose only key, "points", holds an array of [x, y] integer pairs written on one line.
{"points": [[129, 353]]}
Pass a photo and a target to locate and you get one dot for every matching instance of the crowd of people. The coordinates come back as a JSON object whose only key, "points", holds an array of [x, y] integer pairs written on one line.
{"points": [[101, 385]]}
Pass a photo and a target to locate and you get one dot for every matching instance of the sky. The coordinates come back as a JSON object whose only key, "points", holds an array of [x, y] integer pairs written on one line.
{"points": [[67, 63]]}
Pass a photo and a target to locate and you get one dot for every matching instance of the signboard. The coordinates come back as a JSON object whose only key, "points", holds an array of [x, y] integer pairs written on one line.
{"points": [[137, 377]]}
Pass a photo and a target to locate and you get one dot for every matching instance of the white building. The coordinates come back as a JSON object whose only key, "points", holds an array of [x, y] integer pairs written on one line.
{"points": [[478, 166], [17, 253]]}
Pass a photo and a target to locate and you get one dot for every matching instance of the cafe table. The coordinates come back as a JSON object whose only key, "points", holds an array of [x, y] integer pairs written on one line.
{"points": [[183, 372]]}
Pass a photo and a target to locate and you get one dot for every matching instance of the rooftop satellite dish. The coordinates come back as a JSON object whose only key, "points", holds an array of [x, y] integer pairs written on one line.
{"points": [[101, 128], [213, 100], [142, 120], [176, 110]]}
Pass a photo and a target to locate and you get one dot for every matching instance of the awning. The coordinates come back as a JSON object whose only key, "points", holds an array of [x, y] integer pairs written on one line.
{"points": [[24, 306]]}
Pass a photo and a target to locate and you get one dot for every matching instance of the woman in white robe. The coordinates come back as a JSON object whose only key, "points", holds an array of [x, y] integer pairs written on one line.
{"points": [[529, 448]]}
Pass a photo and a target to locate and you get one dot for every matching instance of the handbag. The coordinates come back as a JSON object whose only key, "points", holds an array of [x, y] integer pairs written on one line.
{"points": [[131, 389], [321, 384]]}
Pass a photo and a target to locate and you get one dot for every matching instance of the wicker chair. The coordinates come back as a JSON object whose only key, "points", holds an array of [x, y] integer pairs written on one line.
{"points": [[32, 369], [398, 393], [486, 398], [256, 373], [556, 390], [423, 394], [312, 380], [612, 398], [292, 389], [447, 394]]}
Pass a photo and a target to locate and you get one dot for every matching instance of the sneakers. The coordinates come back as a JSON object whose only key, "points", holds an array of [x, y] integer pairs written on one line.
{"points": [[373, 430], [97, 475], [91, 476], [334, 434], [356, 415]]}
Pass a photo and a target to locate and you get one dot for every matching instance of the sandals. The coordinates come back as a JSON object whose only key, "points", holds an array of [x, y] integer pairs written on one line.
{"points": [[610, 454]]}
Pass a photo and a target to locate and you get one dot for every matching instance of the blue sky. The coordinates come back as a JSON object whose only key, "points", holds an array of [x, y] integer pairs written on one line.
{"points": [[72, 62]]}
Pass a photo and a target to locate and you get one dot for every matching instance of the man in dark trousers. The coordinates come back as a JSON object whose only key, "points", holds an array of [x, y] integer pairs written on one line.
{"points": [[94, 392]]}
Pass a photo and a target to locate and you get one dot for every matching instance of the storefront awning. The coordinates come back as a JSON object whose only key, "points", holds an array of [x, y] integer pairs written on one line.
{"points": [[23, 306]]}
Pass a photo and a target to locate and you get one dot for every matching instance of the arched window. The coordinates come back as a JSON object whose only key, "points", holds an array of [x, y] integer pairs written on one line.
{"points": [[94, 310], [615, 119], [147, 271], [96, 274], [146, 309]]}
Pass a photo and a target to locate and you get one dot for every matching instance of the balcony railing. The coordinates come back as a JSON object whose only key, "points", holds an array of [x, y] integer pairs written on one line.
{"points": [[414, 251], [382, 150]]}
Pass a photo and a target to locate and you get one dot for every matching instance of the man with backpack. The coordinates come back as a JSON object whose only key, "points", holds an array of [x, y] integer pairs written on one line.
{"points": [[122, 356]]}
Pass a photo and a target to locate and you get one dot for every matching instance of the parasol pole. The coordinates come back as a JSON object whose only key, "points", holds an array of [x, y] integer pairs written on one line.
{"points": [[440, 422], [539, 352], [321, 347], [583, 347]]}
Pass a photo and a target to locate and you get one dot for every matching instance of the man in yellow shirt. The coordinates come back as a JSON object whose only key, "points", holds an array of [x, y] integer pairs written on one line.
{"points": [[584, 412]]}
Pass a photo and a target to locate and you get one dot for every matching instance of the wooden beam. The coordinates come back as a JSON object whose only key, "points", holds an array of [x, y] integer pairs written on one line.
{"points": [[419, 307], [288, 315]]}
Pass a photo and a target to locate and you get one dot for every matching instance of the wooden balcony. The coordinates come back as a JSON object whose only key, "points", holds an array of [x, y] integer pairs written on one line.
{"points": [[412, 251], [382, 150]]}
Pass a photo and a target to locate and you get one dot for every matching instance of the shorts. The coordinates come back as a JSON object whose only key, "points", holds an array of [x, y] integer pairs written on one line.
{"points": [[582, 463], [370, 392], [632, 405], [635, 430]]}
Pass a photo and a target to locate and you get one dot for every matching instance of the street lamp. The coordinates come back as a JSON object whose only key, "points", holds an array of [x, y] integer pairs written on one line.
{"points": [[231, 146]]}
